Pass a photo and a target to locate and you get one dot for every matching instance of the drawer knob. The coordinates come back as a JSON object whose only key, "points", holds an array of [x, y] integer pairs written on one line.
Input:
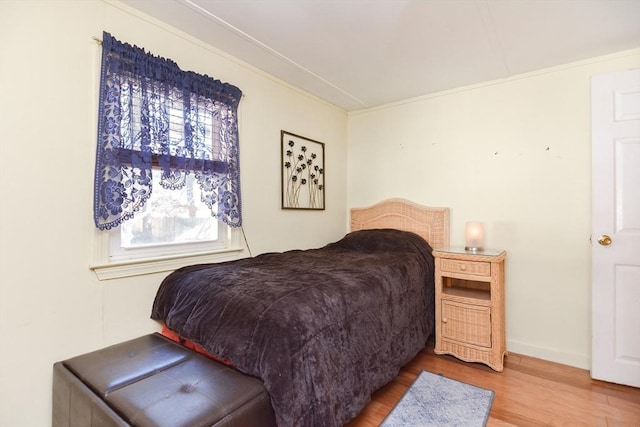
{"points": [[445, 320], [463, 267]]}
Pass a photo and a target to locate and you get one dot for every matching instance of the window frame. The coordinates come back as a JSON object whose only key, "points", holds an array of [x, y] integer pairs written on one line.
{"points": [[228, 95], [107, 269]]}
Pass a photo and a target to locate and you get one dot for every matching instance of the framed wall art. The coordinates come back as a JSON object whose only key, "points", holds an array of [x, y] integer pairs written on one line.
{"points": [[302, 172]]}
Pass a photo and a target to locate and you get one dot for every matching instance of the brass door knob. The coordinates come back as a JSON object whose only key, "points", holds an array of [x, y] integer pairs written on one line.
{"points": [[604, 240]]}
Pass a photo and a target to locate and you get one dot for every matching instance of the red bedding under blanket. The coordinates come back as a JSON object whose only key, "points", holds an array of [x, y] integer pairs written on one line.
{"points": [[322, 328], [173, 336]]}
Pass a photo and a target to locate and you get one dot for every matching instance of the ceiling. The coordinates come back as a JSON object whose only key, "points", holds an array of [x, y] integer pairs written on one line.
{"points": [[363, 53]]}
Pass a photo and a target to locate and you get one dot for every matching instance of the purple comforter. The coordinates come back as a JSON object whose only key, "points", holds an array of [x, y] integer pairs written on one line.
{"points": [[322, 328]]}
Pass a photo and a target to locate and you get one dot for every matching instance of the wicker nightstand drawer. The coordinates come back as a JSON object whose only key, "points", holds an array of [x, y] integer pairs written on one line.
{"points": [[466, 267]]}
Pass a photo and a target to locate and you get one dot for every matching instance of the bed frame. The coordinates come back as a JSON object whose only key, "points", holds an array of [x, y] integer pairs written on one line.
{"points": [[432, 224]]}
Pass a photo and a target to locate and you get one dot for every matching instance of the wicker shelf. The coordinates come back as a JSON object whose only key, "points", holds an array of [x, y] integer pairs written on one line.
{"points": [[471, 296], [470, 320]]}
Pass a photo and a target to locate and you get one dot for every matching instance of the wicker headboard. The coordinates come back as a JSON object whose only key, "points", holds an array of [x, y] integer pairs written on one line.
{"points": [[432, 224]]}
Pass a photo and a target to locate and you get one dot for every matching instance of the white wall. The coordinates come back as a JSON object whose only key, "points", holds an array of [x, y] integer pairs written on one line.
{"points": [[51, 305], [516, 154]]}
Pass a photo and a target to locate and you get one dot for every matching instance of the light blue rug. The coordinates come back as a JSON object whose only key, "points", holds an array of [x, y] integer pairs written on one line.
{"points": [[433, 400]]}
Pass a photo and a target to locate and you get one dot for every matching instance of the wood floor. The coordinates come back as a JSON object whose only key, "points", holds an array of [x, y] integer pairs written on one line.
{"points": [[530, 392]]}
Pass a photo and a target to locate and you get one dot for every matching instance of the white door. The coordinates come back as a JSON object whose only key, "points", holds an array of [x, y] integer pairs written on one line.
{"points": [[615, 108]]}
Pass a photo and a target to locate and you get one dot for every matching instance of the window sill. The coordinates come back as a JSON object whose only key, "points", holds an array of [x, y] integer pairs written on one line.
{"points": [[138, 267]]}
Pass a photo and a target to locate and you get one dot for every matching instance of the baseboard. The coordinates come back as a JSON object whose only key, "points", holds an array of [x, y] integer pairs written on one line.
{"points": [[552, 355]]}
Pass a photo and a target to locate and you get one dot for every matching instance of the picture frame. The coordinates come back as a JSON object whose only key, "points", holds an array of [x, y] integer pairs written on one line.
{"points": [[303, 172]]}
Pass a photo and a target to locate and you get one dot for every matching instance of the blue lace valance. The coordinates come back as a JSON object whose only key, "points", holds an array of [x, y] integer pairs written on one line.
{"points": [[152, 114]]}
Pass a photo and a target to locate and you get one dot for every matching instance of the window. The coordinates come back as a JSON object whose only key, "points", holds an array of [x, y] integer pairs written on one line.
{"points": [[172, 222], [167, 178]]}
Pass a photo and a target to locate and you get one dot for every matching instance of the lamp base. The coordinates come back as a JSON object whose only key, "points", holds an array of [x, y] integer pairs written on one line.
{"points": [[473, 249]]}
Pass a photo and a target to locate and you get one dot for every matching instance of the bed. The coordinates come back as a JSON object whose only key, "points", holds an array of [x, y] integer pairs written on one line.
{"points": [[322, 328]]}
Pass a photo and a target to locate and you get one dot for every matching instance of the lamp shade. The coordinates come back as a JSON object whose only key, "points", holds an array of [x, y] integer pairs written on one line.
{"points": [[474, 236]]}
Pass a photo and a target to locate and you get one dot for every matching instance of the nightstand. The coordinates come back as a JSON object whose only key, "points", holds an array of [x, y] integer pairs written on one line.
{"points": [[470, 319]]}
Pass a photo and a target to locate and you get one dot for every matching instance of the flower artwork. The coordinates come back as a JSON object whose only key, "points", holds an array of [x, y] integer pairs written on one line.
{"points": [[302, 172]]}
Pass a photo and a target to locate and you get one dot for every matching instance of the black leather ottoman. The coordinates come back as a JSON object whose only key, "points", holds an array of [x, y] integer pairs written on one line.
{"points": [[152, 381]]}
